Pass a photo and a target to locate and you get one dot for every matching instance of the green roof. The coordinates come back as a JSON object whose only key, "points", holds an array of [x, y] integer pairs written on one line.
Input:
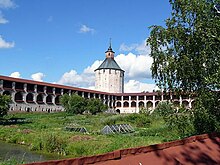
{"points": [[109, 63]]}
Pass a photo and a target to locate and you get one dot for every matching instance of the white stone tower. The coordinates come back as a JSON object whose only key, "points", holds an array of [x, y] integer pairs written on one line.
{"points": [[109, 77]]}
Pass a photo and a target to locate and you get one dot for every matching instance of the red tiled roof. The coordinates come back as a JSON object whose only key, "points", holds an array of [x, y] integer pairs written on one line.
{"points": [[202, 149], [75, 88], [50, 84]]}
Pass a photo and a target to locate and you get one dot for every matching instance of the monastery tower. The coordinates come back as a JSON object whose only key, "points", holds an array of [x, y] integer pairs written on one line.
{"points": [[109, 77]]}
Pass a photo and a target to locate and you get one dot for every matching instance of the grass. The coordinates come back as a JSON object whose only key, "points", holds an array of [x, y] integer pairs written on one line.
{"points": [[46, 133]]}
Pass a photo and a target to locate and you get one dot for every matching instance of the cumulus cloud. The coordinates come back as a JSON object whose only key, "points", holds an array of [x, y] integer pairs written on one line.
{"points": [[135, 66], [15, 75], [137, 86], [86, 29], [139, 48], [2, 19], [5, 44], [38, 76], [86, 79], [6, 4]]}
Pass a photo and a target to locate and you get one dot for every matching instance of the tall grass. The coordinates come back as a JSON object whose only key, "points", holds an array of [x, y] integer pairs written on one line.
{"points": [[46, 133]]}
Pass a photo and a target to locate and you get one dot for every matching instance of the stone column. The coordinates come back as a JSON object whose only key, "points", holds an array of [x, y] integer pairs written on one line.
{"points": [[69, 92], [1, 84], [154, 102], [35, 88], [13, 86], [137, 107], [54, 91]]}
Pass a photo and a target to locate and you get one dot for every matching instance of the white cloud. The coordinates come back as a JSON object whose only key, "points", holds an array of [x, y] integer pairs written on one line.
{"points": [[90, 69], [86, 79], [4, 44], [15, 75], [141, 48], [86, 29], [72, 78], [38, 76], [2, 19], [5, 4], [137, 86], [135, 66]]}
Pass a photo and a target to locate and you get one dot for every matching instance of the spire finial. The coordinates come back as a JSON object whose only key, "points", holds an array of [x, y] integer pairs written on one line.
{"points": [[110, 42]]}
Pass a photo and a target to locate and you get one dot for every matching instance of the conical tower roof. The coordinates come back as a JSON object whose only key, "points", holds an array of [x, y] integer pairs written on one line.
{"points": [[109, 62]]}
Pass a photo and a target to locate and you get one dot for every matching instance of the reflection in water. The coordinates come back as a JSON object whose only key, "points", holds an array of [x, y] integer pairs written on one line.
{"points": [[20, 153]]}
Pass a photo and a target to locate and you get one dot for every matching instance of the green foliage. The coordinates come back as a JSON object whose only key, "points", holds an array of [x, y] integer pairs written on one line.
{"points": [[179, 120], [207, 113], [4, 104], [186, 52], [12, 161], [95, 106], [73, 104], [164, 109], [182, 122], [54, 143], [76, 104], [186, 58], [139, 120]]}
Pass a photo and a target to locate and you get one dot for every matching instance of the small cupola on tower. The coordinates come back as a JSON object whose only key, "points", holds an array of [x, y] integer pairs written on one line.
{"points": [[110, 53]]}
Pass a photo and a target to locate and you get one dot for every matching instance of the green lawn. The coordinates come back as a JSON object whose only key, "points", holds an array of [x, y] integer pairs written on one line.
{"points": [[46, 133]]}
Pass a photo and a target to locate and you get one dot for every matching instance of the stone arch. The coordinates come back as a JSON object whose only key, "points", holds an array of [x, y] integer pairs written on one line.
{"points": [[185, 104], [118, 111], [40, 99], [105, 102], [30, 98], [125, 104], [133, 104], [110, 104], [156, 103], [141, 104], [28, 109], [49, 99], [19, 97], [7, 93], [193, 104], [149, 104], [57, 100], [176, 103], [118, 104]]}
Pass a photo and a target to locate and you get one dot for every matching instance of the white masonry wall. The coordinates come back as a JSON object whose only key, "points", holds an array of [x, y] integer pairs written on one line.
{"points": [[109, 80]]}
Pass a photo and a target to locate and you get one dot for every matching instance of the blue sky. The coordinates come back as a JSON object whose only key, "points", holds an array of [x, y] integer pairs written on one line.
{"points": [[63, 41]]}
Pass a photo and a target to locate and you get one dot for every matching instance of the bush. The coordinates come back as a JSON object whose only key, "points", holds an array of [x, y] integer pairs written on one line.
{"points": [[95, 106], [4, 104], [164, 109], [182, 122], [73, 104]]}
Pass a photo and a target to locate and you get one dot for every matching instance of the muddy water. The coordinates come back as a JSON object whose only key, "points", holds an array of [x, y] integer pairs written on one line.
{"points": [[21, 153]]}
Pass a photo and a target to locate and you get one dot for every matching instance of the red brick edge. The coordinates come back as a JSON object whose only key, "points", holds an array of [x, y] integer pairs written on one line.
{"points": [[118, 154]]}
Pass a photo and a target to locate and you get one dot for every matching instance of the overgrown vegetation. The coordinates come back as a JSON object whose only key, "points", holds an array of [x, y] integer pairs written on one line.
{"points": [[46, 133], [76, 104], [4, 104]]}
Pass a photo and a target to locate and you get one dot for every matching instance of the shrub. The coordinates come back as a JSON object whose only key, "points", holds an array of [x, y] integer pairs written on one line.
{"points": [[4, 104], [164, 109]]}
